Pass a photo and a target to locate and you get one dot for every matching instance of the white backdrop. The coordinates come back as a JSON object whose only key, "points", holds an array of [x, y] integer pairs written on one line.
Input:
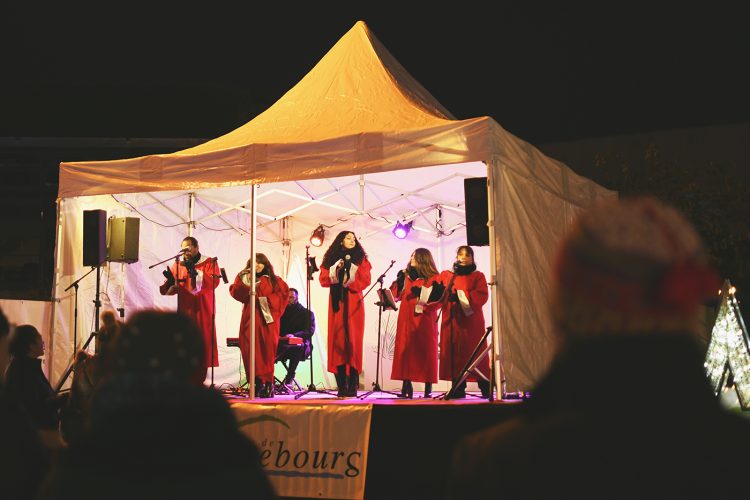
{"points": [[288, 212]]}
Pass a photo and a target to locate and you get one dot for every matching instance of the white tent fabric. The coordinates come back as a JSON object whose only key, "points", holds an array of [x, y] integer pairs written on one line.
{"points": [[357, 144]]}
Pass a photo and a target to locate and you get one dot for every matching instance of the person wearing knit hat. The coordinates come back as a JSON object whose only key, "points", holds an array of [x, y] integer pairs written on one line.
{"points": [[625, 409], [634, 268]]}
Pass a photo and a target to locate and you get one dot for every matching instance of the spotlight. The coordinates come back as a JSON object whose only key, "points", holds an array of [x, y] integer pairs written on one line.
{"points": [[401, 231], [318, 236]]}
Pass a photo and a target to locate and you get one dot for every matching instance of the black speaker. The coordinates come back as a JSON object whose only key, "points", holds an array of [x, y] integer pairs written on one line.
{"points": [[123, 239], [94, 237], [475, 199]]}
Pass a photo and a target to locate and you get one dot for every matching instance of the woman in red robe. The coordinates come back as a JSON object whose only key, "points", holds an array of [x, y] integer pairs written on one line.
{"points": [[346, 271], [462, 326], [415, 355], [271, 297], [194, 280]]}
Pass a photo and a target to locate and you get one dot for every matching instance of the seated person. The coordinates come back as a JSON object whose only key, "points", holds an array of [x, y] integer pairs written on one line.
{"points": [[294, 323]]}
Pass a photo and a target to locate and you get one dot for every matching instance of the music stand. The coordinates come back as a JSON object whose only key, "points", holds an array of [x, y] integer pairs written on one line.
{"points": [[385, 302], [311, 269]]}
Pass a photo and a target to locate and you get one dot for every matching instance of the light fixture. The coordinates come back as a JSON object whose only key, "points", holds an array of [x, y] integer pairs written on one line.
{"points": [[318, 236], [401, 231]]}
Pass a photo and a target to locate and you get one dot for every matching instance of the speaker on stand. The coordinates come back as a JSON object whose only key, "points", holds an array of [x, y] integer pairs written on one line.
{"points": [[477, 208]]}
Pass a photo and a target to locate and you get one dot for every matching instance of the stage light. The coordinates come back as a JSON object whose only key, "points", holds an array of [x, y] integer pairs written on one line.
{"points": [[318, 236], [401, 231]]}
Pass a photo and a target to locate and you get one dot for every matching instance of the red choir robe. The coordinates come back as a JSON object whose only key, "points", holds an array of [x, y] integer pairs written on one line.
{"points": [[266, 333], [460, 334], [350, 318], [196, 299], [415, 354]]}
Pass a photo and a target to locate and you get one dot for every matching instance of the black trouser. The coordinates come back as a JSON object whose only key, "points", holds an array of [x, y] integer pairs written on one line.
{"points": [[293, 354]]}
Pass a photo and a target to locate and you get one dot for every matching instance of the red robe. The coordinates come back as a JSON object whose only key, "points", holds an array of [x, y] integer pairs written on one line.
{"points": [[197, 301], [415, 354], [350, 315], [460, 334], [266, 334]]}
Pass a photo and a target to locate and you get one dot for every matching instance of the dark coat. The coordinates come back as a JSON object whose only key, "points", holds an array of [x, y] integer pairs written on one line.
{"points": [[629, 417], [26, 386]]}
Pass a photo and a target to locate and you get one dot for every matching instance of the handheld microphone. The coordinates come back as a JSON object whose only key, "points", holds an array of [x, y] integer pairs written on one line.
{"points": [[456, 265], [224, 276], [347, 261]]}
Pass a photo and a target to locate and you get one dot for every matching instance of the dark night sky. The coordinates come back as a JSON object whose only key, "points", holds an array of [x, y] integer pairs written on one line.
{"points": [[545, 74]]}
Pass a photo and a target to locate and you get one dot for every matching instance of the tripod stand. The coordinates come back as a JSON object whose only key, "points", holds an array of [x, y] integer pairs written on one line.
{"points": [[97, 306], [311, 268], [475, 358], [382, 304], [75, 306]]}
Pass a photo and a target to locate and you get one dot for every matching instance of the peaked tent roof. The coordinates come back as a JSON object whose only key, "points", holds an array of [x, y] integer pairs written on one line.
{"points": [[357, 111]]}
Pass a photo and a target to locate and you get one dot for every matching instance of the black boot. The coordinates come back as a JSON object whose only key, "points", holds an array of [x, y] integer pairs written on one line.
{"points": [[409, 389], [427, 389], [484, 386], [459, 391], [404, 389], [353, 382], [341, 381]]}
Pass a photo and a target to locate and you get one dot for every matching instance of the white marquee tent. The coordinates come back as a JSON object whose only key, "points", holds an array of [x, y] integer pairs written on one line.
{"points": [[357, 144]]}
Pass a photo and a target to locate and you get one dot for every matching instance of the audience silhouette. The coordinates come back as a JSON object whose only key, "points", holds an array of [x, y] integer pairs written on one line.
{"points": [[625, 410]]}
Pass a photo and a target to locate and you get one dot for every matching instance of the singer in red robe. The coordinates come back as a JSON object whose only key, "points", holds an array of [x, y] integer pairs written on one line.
{"points": [[346, 271], [194, 279], [271, 298], [415, 353], [462, 326]]}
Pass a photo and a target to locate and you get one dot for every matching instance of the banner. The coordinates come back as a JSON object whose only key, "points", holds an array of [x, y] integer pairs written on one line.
{"points": [[310, 450]]}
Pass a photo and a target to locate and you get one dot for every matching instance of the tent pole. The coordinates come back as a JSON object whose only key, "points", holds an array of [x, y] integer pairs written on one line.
{"points": [[497, 357], [191, 208], [251, 358]]}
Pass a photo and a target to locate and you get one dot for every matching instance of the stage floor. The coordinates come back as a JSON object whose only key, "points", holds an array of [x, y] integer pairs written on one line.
{"points": [[411, 440]]}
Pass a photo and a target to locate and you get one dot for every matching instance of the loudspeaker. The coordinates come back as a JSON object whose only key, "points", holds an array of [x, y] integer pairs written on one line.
{"points": [[94, 237], [475, 199], [123, 239]]}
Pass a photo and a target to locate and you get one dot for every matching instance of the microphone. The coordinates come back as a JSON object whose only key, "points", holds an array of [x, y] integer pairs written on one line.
{"points": [[183, 250], [224, 276], [456, 265]]}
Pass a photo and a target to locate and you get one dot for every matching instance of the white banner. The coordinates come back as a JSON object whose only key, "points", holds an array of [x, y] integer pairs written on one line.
{"points": [[310, 450]]}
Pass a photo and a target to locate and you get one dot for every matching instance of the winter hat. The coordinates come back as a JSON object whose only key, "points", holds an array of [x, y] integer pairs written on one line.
{"points": [[632, 266], [161, 344]]}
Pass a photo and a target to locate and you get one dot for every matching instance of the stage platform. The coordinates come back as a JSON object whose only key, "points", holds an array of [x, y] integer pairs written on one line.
{"points": [[407, 448]]}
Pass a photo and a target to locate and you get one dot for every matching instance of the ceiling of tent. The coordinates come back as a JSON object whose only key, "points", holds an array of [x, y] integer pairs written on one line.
{"points": [[432, 198]]}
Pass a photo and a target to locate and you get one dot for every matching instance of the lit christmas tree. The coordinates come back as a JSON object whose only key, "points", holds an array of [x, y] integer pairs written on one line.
{"points": [[728, 357]]}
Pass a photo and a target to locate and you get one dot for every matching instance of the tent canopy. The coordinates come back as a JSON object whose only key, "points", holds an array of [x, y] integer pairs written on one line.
{"points": [[359, 113]]}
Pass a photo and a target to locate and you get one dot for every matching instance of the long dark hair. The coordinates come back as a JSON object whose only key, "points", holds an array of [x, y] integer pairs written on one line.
{"points": [[261, 258], [425, 263], [336, 251]]}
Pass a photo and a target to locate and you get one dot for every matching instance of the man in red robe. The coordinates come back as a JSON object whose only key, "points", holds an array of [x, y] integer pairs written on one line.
{"points": [[193, 279]]}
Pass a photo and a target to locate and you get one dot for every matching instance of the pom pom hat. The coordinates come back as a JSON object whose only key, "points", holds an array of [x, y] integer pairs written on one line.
{"points": [[633, 266]]}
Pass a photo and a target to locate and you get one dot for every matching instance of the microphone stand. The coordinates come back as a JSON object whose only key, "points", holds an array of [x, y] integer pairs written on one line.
{"points": [[75, 308], [381, 305], [311, 387]]}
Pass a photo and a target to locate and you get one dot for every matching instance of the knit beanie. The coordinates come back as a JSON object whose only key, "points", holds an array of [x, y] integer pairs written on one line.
{"points": [[631, 266]]}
